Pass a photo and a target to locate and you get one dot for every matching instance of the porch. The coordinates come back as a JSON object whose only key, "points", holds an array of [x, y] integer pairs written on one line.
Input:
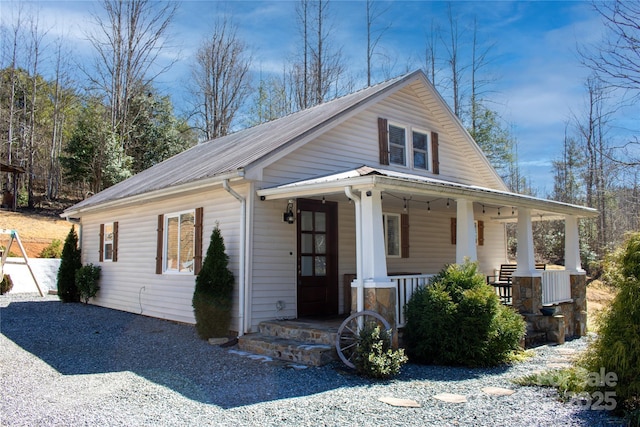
{"points": [[462, 222]]}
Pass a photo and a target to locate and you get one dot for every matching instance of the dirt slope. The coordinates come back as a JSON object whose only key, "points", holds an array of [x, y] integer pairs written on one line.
{"points": [[36, 231]]}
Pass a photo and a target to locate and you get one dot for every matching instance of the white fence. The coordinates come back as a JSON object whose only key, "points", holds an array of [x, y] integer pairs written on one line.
{"points": [[405, 287], [556, 286]]}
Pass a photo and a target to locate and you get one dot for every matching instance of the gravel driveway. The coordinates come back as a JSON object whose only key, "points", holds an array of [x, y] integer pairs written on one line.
{"points": [[74, 365]]}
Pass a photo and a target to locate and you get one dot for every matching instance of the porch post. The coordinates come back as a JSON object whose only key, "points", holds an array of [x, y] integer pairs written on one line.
{"points": [[572, 245], [526, 288], [465, 232], [374, 262], [526, 259], [379, 290]]}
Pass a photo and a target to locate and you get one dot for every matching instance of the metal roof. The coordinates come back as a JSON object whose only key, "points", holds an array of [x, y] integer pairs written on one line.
{"points": [[367, 177], [229, 155]]}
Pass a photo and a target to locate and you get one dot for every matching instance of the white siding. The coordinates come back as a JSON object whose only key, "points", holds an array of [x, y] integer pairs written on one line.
{"points": [[355, 143], [130, 284]]}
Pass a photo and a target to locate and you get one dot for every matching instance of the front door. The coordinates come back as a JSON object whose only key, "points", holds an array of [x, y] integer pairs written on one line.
{"points": [[317, 258]]}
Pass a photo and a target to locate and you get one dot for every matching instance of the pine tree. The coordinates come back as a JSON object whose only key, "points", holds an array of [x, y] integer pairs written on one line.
{"points": [[213, 296], [69, 263]]}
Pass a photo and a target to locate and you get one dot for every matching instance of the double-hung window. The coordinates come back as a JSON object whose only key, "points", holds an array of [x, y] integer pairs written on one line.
{"points": [[179, 242], [392, 235], [397, 145], [420, 150], [108, 242]]}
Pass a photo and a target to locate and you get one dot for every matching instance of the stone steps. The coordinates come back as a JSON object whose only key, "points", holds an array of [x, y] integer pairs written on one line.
{"points": [[307, 343]]}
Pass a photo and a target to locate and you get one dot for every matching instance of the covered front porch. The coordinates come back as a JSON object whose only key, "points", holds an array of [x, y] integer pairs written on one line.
{"points": [[390, 207]]}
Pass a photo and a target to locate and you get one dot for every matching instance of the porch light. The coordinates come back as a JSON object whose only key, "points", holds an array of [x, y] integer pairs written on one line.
{"points": [[448, 203], [288, 215]]}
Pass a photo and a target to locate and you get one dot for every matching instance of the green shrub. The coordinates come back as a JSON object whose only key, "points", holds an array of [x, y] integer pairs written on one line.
{"points": [[458, 320], [69, 263], [213, 295], [617, 347], [87, 278], [54, 250], [374, 356], [6, 285]]}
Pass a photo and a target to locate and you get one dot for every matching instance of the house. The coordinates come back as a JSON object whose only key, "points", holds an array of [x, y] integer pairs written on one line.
{"points": [[345, 206]]}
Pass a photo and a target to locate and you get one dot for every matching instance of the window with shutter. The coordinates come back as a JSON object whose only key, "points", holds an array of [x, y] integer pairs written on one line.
{"points": [[179, 242], [108, 242]]}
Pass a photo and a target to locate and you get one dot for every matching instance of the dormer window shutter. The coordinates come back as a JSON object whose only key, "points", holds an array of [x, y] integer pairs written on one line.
{"points": [[383, 140], [435, 166]]}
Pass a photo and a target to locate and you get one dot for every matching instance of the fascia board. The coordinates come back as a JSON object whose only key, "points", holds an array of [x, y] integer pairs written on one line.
{"points": [[153, 195]]}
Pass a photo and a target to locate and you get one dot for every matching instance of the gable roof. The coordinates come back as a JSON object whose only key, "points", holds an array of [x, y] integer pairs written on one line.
{"points": [[227, 157]]}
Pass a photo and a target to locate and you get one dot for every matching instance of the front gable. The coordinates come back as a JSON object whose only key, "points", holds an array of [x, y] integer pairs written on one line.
{"points": [[435, 143]]}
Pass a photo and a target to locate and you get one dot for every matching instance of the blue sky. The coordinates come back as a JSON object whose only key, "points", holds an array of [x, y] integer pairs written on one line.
{"points": [[537, 82]]}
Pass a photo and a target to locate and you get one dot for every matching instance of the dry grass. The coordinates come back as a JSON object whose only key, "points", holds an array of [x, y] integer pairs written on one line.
{"points": [[36, 231], [599, 296]]}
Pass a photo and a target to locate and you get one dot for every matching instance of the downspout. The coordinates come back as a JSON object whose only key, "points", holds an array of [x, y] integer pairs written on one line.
{"points": [[241, 267], [359, 271]]}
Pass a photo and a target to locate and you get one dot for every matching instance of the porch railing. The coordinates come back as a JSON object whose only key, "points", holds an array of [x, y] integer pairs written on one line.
{"points": [[556, 286], [405, 287]]}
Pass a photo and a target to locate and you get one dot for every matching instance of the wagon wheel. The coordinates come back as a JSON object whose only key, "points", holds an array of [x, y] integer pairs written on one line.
{"points": [[349, 333]]}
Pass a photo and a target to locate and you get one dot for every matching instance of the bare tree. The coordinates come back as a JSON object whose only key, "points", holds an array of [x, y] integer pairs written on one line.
{"points": [[221, 76], [317, 75], [617, 58], [128, 43], [374, 13]]}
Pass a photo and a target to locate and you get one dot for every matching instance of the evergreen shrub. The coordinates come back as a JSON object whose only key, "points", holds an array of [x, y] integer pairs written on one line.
{"points": [[87, 278], [53, 250], [6, 285], [69, 263], [375, 357], [458, 320], [213, 295], [617, 346]]}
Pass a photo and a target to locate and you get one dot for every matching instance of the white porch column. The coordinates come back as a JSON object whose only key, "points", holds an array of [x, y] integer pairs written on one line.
{"points": [[465, 232], [374, 261], [526, 259], [572, 245]]}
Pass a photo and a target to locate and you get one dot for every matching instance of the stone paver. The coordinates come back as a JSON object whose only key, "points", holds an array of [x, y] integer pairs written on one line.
{"points": [[403, 403], [451, 398]]}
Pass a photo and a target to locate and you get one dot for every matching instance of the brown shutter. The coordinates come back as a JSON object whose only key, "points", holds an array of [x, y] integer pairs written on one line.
{"points": [[454, 226], [383, 141], [159, 246], [115, 242], [480, 233], [101, 248], [435, 159], [404, 235], [197, 258]]}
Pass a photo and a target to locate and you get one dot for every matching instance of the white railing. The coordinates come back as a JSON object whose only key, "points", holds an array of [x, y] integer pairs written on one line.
{"points": [[556, 286], [405, 287]]}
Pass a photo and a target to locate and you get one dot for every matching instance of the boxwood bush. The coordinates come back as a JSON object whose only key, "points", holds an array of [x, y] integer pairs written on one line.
{"points": [[458, 320]]}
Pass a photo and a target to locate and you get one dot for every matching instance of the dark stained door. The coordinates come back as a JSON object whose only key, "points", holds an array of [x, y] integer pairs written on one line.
{"points": [[317, 258]]}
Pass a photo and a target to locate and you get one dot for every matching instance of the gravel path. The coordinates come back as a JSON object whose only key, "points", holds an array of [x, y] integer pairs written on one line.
{"points": [[71, 364]]}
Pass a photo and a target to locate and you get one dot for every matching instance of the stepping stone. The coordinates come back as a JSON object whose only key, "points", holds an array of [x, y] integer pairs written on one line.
{"points": [[218, 341], [403, 403], [498, 391], [451, 398]]}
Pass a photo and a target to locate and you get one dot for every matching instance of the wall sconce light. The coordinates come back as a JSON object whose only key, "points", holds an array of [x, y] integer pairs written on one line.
{"points": [[289, 216]]}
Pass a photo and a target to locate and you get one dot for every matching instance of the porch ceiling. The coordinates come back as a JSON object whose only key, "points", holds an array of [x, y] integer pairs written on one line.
{"points": [[366, 178]]}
